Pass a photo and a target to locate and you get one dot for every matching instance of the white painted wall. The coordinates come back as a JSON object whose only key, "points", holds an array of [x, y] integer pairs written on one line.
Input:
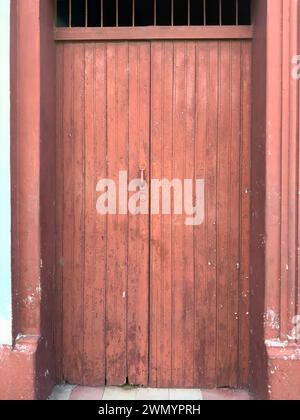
{"points": [[5, 206]]}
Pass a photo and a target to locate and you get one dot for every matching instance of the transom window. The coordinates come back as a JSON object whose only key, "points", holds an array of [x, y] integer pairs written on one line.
{"points": [[130, 13]]}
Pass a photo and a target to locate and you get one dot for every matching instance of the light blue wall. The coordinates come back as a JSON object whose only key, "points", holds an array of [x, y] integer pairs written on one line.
{"points": [[5, 210]]}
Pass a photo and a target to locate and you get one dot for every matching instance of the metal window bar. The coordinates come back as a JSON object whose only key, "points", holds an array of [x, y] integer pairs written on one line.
{"points": [[86, 13], [56, 13], [70, 13], [133, 24], [133, 13], [117, 13]]}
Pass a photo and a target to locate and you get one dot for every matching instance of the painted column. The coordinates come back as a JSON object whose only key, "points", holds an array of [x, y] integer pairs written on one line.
{"points": [[275, 226], [27, 369], [282, 311], [5, 196]]}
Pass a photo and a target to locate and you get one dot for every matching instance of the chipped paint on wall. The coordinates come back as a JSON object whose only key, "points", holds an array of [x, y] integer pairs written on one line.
{"points": [[272, 320], [295, 334], [276, 343], [5, 209]]}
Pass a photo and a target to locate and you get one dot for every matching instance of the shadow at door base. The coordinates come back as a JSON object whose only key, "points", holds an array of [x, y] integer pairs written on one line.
{"points": [[69, 392]]}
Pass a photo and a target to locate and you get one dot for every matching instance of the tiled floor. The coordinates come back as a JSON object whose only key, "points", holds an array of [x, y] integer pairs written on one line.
{"points": [[68, 392]]}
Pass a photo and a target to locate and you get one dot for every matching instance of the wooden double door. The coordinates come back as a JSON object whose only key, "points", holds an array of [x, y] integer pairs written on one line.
{"points": [[146, 299]]}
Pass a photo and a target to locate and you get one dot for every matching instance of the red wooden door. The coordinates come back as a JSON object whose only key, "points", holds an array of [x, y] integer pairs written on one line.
{"points": [[199, 290], [146, 299]]}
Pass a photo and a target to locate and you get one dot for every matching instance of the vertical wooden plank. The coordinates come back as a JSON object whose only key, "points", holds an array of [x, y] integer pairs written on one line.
{"points": [[74, 212], [117, 263], [68, 218], [156, 54], [78, 201], [95, 225], [234, 212], [156, 173], [223, 214], [68, 211], [188, 261], [211, 208], [179, 118], [90, 240], [138, 245], [200, 232], [161, 230], [58, 332], [100, 171], [245, 181], [206, 235], [164, 366]]}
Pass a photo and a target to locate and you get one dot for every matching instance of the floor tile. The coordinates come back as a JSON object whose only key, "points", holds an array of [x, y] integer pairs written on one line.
{"points": [[68, 392], [62, 392], [185, 394], [85, 393], [150, 394], [225, 394], [120, 393]]}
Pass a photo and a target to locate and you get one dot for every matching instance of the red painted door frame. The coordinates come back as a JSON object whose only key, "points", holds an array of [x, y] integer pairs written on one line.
{"points": [[275, 362]]}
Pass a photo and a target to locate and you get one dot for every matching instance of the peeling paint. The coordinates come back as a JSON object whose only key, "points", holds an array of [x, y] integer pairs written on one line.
{"points": [[274, 370], [22, 348], [295, 333], [29, 300], [271, 320], [39, 289], [276, 343]]}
